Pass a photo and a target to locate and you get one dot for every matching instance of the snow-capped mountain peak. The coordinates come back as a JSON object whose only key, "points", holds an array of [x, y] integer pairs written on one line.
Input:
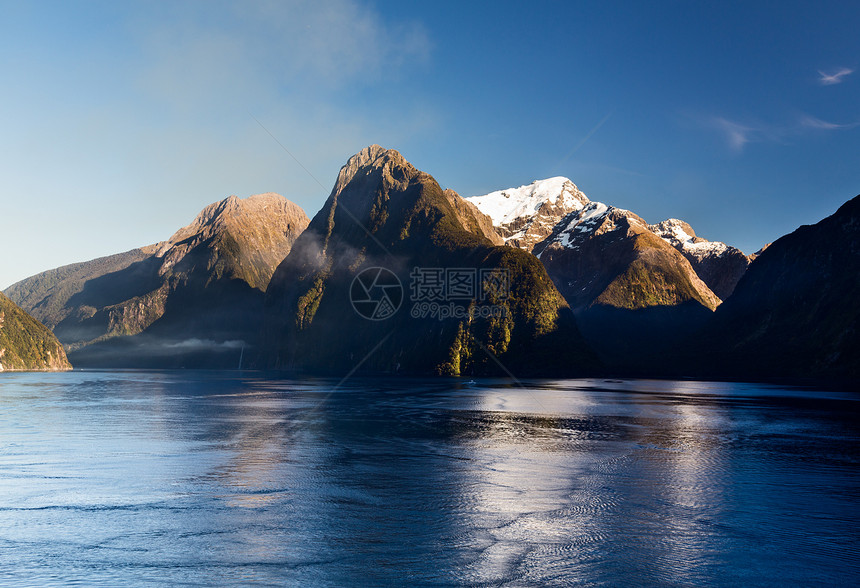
{"points": [[526, 215], [594, 220], [556, 222]]}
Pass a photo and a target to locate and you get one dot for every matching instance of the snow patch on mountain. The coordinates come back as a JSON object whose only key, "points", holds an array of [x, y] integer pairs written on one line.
{"points": [[554, 213], [583, 222], [596, 218]]}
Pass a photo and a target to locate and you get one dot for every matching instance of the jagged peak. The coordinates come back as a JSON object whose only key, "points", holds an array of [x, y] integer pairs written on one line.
{"points": [[595, 218], [681, 235], [370, 158], [233, 204], [370, 154], [674, 228]]}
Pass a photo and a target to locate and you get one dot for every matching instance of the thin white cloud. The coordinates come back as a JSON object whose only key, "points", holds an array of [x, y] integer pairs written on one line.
{"points": [[735, 134], [584, 139], [828, 79], [816, 123]]}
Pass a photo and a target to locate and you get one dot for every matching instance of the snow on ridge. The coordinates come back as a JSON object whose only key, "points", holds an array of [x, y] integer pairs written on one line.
{"points": [[580, 215], [506, 206], [673, 232], [672, 229], [582, 222], [705, 248]]}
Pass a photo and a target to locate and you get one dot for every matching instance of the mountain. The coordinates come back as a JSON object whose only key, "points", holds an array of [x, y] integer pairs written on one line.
{"points": [[527, 215], [606, 256], [553, 217], [636, 288], [719, 265], [471, 217], [46, 295], [26, 344], [795, 312], [235, 239], [193, 300], [394, 274]]}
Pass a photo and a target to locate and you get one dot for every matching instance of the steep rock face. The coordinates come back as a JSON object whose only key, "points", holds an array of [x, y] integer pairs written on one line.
{"points": [[719, 265], [471, 217], [25, 343], [795, 313], [198, 294], [634, 295], [384, 213]]}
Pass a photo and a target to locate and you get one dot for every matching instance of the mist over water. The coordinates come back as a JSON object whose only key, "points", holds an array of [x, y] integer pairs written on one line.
{"points": [[219, 478]]}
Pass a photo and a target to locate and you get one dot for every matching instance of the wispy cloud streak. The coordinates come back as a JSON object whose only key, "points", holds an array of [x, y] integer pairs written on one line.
{"points": [[584, 139], [737, 135], [828, 79], [812, 122]]}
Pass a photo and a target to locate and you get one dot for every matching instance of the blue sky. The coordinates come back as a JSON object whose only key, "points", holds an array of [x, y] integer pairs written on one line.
{"points": [[119, 121]]}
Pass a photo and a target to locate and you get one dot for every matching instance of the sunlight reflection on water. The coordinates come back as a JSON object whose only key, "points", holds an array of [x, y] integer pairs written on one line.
{"points": [[203, 478]]}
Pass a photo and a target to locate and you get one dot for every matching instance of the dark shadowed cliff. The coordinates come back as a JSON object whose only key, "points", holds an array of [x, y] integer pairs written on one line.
{"points": [[796, 311]]}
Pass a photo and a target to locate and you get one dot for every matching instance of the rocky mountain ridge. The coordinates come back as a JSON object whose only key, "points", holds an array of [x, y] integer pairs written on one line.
{"points": [[624, 278], [608, 256], [579, 277], [204, 284], [553, 216], [245, 239], [719, 265], [525, 216]]}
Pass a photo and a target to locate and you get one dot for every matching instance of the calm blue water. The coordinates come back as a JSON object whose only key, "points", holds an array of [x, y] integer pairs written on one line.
{"points": [[206, 478]]}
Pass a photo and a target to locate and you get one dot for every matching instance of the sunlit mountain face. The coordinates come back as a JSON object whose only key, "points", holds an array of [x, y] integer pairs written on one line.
{"points": [[194, 300]]}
